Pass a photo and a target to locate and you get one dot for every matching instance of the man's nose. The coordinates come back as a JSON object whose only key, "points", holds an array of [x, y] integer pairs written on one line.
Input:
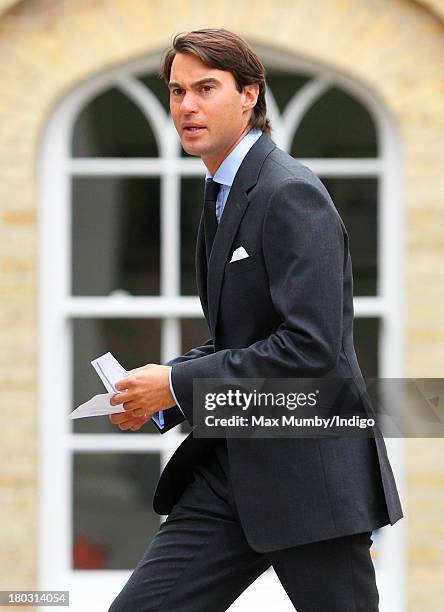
{"points": [[189, 103]]}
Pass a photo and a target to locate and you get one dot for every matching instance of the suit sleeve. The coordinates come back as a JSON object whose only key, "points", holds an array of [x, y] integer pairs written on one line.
{"points": [[303, 248], [199, 351]]}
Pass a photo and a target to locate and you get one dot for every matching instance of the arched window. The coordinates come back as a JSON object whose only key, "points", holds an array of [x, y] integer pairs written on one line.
{"points": [[120, 204]]}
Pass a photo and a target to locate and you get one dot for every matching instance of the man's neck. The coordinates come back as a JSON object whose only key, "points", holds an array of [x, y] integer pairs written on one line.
{"points": [[213, 163]]}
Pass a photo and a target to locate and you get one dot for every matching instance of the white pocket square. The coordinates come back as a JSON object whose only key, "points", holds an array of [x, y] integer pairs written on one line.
{"points": [[239, 253]]}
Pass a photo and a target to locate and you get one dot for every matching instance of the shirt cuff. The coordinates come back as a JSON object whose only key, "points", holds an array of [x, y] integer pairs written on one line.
{"points": [[159, 419], [172, 390]]}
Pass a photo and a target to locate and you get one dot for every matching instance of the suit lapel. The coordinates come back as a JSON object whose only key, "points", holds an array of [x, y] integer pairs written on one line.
{"points": [[236, 205], [202, 267], [235, 208]]}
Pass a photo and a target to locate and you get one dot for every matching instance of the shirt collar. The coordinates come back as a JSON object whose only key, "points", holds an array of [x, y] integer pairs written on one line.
{"points": [[227, 170]]}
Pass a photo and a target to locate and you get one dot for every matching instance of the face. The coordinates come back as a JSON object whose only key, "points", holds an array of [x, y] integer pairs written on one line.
{"points": [[210, 115]]}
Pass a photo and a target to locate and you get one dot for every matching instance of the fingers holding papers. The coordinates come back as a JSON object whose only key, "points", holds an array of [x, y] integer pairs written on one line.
{"points": [[127, 420]]}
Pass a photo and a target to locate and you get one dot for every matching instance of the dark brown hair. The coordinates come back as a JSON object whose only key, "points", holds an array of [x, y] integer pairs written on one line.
{"points": [[221, 49]]}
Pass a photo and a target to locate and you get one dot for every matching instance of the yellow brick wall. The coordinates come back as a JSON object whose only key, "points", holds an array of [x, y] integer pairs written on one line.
{"points": [[394, 47]]}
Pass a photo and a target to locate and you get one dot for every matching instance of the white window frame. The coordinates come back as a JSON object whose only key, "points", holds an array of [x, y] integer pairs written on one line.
{"points": [[57, 307]]}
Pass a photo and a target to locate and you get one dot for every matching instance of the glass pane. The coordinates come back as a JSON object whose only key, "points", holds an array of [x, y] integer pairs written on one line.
{"points": [[337, 125], [356, 202], [133, 342], [115, 236], [191, 203], [111, 125], [284, 85], [194, 333], [158, 87], [366, 338], [113, 520]]}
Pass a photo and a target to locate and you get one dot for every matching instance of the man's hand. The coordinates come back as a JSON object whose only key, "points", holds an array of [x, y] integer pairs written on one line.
{"points": [[143, 392]]}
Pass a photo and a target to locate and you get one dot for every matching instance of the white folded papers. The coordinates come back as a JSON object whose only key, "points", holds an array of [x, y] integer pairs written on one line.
{"points": [[109, 371], [96, 406]]}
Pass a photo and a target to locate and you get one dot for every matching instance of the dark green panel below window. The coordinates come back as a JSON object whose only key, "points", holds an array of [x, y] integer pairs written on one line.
{"points": [[113, 519]]}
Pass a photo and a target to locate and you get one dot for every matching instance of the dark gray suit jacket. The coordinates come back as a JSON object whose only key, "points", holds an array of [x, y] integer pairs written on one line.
{"points": [[286, 311]]}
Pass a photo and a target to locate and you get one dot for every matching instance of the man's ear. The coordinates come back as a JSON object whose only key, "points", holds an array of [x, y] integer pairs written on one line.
{"points": [[251, 93]]}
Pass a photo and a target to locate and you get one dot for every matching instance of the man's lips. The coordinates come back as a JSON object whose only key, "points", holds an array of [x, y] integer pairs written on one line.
{"points": [[193, 129]]}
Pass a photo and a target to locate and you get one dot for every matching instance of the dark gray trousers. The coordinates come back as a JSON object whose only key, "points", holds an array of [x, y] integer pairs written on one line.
{"points": [[200, 561]]}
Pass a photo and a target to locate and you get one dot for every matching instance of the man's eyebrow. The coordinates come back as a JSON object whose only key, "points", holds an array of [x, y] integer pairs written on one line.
{"points": [[173, 84]]}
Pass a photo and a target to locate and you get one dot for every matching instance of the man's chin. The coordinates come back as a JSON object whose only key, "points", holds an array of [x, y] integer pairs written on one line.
{"points": [[191, 151], [193, 148]]}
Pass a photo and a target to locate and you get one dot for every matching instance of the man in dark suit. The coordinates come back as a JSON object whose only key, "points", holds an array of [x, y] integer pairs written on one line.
{"points": [[275, 282]]}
